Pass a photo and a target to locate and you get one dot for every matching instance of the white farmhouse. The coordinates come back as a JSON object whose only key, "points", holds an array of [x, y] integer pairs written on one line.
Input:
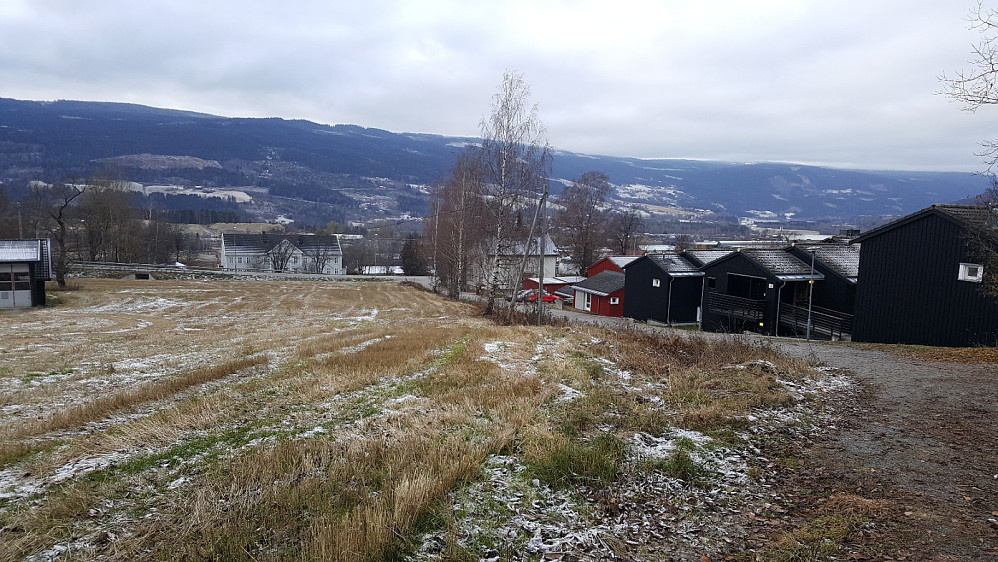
{"points": [[292, 253], [510, 257]]}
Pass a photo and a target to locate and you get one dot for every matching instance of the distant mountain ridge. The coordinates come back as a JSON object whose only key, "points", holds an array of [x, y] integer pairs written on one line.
{"points": [[315, 173]]}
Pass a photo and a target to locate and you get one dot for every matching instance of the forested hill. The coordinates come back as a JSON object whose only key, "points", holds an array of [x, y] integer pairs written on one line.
{"points": [[317, 172]]}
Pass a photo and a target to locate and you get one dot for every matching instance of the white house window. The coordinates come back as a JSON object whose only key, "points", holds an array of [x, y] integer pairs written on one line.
{"points": [[656, 282], [614, 300], [971, 272], [589, 301]]}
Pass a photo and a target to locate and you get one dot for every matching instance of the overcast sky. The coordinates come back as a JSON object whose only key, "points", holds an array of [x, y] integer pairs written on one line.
{"points": [[848, 83]]}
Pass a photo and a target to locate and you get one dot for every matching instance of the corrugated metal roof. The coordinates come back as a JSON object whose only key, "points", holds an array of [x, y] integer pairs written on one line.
{"points": [[621, 261], [20, 250], [560, 279], [602, 284], [782, 265]]}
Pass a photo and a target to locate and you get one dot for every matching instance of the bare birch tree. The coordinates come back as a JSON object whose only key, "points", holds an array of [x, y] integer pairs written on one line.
{"points": [[456, 227], [515, 156]]}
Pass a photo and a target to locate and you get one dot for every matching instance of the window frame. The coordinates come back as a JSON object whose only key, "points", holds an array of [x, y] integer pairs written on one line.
{"points": [[964, 273]]}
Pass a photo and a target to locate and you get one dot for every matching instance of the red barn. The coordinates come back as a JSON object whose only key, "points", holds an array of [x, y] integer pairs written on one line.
{"points": [[610, 263]]}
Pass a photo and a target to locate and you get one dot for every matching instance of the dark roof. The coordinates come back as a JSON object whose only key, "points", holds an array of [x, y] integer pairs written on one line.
{"points": [[843, 259], [782, 265], [602, 284], [267, 242], [962, 215], [673, 265], [701, 258]]}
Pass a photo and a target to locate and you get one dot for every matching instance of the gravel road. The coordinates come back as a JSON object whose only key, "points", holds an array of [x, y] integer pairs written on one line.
{"points": [[921, 434]]}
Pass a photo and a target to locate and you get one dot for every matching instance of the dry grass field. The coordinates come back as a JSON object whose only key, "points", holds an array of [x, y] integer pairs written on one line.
{"points": [[373, 421]]}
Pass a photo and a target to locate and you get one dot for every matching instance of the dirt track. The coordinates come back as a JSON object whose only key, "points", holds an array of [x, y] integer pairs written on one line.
{"points": [[922, 434]]}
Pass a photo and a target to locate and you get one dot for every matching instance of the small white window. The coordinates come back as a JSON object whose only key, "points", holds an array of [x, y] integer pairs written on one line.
{"points": [[656, 282], [971, 272], [614, 300]]}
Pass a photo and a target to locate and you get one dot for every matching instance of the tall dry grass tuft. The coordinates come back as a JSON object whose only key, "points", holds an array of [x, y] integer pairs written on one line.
{"points": [[318, 499], [102, 407], [840, 519], [709, 383]]}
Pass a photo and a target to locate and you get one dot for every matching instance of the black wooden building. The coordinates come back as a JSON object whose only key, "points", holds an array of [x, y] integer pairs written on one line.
{"points": [[762, 290], [919, 284], [664, 288], [834, 298]]}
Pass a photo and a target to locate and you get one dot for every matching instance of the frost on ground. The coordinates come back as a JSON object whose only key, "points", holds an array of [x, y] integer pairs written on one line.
{"points": [[160, 452], [643, 515]]}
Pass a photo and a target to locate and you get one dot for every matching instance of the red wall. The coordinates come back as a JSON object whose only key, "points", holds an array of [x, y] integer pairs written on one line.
{"points": [[605, 264], [602, 306]]}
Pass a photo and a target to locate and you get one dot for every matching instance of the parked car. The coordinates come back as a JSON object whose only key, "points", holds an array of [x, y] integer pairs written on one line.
{"points": [[530, 295]]}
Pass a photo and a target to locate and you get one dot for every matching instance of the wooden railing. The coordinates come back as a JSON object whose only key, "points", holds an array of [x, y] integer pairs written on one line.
{"points": [[736, 307], [824, 321]]}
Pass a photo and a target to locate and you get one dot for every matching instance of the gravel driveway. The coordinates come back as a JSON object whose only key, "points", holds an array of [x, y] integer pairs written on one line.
{"points": [[921, 434]]}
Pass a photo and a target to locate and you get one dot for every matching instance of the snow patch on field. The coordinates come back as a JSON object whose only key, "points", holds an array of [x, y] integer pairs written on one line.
{"points": [[144, 305]]}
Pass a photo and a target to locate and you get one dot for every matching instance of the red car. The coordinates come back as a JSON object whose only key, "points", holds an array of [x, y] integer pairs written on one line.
{"points": [[530, 295]]}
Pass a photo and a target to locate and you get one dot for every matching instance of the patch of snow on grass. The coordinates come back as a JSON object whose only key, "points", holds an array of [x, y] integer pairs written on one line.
{"points": [[135, 305], [362, 345], [85, 465], [568, 393]]}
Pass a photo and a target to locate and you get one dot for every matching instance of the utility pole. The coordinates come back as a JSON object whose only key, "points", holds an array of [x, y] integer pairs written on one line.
{"points": [[436, 234], [810, 293], [542, 250]]}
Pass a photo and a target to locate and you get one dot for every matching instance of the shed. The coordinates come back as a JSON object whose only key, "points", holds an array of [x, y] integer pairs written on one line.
{"points": [[664, 288], [601, 294], [25, 266], [920, 284], [610, 263]]}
